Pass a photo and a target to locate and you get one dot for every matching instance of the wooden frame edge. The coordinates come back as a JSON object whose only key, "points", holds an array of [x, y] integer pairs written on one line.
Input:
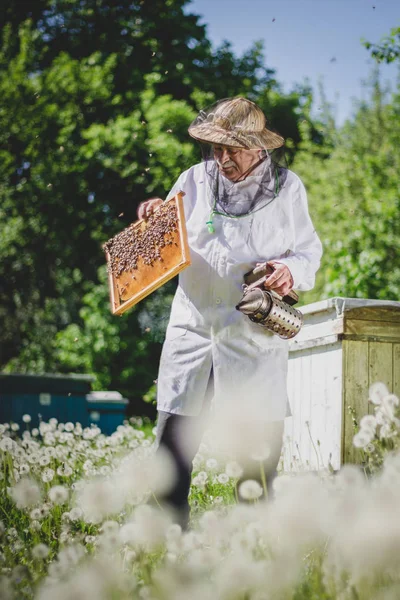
{"points": [[118, 308]]}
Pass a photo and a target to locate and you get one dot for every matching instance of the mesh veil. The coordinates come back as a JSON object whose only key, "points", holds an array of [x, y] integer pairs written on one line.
{"points": [[240, 124], [235, 199]]}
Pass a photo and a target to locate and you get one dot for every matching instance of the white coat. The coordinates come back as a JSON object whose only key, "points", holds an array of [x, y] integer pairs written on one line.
{"points": [[205, 331]]}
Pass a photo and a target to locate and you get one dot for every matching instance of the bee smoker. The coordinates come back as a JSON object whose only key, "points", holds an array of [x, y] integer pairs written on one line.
{"points": [[267, 308]]}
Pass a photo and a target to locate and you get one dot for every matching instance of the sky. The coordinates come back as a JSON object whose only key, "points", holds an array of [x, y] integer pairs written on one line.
{"points": [[310, 39]]}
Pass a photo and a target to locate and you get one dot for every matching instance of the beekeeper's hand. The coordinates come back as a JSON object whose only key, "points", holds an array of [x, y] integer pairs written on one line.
{"points": [[281, 280], [147, 207]]}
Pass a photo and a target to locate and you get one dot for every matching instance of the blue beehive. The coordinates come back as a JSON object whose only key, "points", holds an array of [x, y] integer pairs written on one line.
{"points": [[107, 410], [43, 397]]}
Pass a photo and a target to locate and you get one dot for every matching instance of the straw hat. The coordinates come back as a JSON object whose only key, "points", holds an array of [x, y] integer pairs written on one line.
{"points": [[235, 122]]}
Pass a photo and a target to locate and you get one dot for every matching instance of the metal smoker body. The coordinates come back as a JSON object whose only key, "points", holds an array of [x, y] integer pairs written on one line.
{"points": [[268, 308]]}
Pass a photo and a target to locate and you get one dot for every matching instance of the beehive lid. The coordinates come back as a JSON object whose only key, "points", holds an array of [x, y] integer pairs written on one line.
{"points": [[106, 396], [336, 318], [147, 254], [52, 383]]}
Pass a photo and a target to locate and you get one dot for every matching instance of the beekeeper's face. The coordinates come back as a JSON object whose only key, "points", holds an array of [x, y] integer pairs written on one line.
{"points": [[234, 163]]}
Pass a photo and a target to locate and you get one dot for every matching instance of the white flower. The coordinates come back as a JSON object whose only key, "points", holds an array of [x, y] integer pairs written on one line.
{"points": [[234, 470], [58, 494], [26, 418], [197, 482], [99, 499], [109, 527], [71, 555], [47, 475], [45, 509], [202, 476], [368, 423], [90, 539], [14, 426], [130, 556], [250, 489], [386, 431], [24, 469], [388, 407], [40, 551], [212, 464], [36, 514], [262, 454], [64, 470], [49, 439], [362, 438], [377, 392], [380, 415], [223, 478], [35, 525], [25, 493], [151, 526], [75, 514], [7, 444], [35, 432], [110, 541], [44, 460], [173, 532], [69, 426], [128, 533]]}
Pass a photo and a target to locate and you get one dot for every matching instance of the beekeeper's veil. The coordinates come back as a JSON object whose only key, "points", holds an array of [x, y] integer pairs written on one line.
{"points": [[238, 124]]}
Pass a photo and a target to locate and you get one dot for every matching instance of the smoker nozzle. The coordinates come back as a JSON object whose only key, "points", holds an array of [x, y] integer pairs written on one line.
{"points": [[251, 302]]}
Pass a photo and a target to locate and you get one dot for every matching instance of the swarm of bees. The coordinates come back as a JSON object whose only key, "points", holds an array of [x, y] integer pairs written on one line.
{"points": [[136, 242]]}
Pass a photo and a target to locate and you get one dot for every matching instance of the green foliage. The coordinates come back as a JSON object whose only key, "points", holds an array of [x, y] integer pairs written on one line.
{"points": [[114, 349], [95, 100], [352, 184], [389, 48]]}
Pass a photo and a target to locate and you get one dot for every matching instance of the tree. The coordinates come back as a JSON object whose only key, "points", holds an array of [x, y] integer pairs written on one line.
{"points": [[389, 48], [354, 199], [95, 101]]}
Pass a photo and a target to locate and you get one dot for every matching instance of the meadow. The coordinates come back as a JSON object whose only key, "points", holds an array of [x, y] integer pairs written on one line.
{"points": [[80, 519]]}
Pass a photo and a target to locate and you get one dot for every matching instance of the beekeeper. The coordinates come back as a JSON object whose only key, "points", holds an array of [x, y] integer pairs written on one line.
{"points": [[242, 207]]}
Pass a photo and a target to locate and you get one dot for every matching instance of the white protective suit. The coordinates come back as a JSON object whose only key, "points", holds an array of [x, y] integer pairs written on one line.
{"points": [[205, 330]]}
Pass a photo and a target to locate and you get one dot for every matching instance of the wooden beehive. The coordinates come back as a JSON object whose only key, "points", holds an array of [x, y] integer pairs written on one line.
{"points": [[345, 345], [163, 256]]}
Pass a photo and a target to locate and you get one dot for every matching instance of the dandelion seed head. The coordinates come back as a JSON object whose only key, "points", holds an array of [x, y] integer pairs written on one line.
{"points": [[40, 551], [233, 470], [75, 514], [109, 527], [362, 438], [368, 423], [26, 493], [223, 478], [47, 475], [58, 494], [250, 490], [377, 392]]}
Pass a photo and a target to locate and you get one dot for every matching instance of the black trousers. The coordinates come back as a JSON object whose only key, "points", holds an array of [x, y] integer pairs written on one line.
{"points": [[171, 430]]}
